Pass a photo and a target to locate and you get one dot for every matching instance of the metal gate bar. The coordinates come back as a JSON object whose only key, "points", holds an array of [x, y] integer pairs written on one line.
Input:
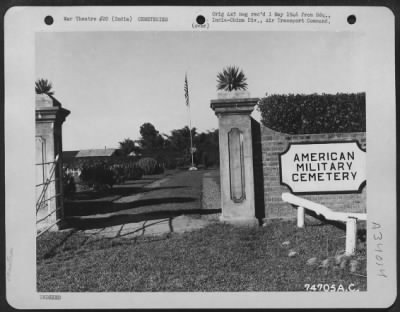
{"points": [[42, 200]]}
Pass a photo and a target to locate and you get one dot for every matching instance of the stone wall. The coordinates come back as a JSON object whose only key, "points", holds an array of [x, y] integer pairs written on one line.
{"points": [[274, 143]]}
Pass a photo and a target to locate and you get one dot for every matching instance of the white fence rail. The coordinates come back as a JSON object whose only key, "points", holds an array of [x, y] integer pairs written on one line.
{"points": [[347, 217]]}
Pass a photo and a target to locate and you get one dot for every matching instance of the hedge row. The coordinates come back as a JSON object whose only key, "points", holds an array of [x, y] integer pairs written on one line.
{"points": [[99, 174], [314, 113], [150, 166]]}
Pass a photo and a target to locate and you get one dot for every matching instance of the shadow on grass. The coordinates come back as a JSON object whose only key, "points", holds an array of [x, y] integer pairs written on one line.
{"points": [[126, 191], [55, 244], [361, 230], [86, 208], [141, 230], [120, 190], [119, 219]]}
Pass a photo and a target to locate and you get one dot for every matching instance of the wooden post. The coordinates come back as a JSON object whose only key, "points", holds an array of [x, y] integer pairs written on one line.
{"points": [[351, 233], [300, 217]]}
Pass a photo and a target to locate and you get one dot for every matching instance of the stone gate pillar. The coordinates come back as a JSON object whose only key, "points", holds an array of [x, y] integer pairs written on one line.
{"points": [[49, 119], [236, 159]]}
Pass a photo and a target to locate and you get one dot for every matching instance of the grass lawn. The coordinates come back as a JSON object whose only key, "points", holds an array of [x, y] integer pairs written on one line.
{"points": [[216, 258]]}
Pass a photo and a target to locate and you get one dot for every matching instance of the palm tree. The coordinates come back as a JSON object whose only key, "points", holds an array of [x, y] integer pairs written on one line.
{"points": [[231, 78], [43, 86]]}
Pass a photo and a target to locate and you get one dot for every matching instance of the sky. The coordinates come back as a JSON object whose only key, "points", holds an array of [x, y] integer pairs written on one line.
{"points": [[113, 82]]}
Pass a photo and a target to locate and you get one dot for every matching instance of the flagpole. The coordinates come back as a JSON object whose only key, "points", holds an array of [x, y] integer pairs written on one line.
{"points": [[190, 132], [190, 121]]}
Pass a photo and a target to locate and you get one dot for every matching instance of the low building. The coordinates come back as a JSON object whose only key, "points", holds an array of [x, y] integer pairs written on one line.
{"points": [[73, 158]]}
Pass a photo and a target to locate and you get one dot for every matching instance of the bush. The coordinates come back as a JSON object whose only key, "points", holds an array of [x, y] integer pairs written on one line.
{"points": [[170, 163], [314, 113], [69, 186], [126, 169], [135, 173], [99, 176], [150, 166], [132, 172], [120, 173]]}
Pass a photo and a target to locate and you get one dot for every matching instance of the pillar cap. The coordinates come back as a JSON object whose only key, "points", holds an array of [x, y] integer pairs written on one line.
{"points": [[243, 106], [49, 109]]}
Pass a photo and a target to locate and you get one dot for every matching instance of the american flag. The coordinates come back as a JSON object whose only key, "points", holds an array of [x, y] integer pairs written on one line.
{"points": [[186, 88]]}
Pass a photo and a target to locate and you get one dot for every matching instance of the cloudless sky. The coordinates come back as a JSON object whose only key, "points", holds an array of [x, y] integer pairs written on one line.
{"points": [[113, 82]]}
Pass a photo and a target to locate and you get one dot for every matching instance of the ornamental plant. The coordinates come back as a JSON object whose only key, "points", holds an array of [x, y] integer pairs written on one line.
{"points": [[231, 78], [43, 86], [150, 166]]}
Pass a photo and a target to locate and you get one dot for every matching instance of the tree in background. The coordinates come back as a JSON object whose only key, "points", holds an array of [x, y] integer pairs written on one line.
{"points": [[231, 78], [173, 150], [43, 86], [207, 148], [128, 146], [179, 143], [180, 139], [205, 144], [151, 139]]}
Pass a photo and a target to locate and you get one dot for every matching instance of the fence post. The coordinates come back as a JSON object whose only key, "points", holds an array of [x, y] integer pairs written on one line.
{"points": [[351, 233], [300, 217]]}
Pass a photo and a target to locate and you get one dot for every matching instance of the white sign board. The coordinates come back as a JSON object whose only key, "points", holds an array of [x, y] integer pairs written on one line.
{"points": [[328, 167]]}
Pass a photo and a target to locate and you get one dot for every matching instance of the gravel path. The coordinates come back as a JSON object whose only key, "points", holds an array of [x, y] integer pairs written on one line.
{"points": [[211, 191]]}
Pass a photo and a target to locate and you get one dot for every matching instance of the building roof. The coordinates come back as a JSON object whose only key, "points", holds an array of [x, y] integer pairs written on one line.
{"points": [[104, 152], [69, 154]]}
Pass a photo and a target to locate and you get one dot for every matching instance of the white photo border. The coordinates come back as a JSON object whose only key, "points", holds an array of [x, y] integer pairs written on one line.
{"points": [[20, 26]]}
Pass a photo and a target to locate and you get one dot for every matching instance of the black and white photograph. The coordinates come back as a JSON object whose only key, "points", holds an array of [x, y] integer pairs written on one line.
{"points": [[201, 160], [157, 188]]}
